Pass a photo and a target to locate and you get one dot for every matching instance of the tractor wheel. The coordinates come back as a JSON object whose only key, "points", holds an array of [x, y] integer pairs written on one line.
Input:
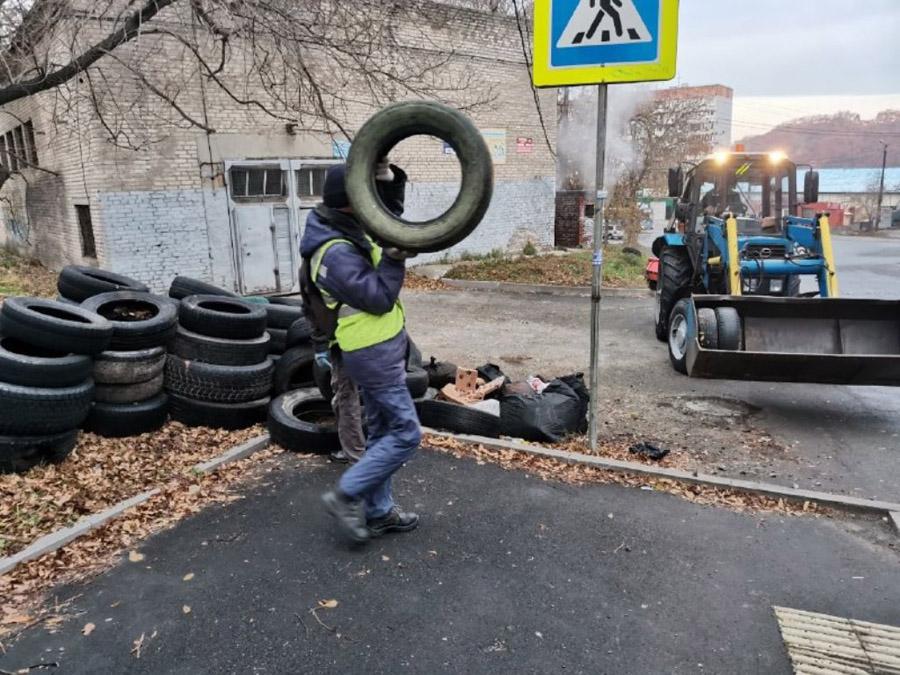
{"points": [[674, 283], [681, 332]]}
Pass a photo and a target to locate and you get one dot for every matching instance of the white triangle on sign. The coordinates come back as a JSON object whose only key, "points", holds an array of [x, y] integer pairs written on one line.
{"points": [[604, 22]]}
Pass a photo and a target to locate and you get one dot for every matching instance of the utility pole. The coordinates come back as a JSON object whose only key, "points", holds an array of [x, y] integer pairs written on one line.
{"points": [[597, 259], [881, 186]]}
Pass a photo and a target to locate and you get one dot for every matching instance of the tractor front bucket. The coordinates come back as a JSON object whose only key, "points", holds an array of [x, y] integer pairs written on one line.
{"points": [[823, 340]]}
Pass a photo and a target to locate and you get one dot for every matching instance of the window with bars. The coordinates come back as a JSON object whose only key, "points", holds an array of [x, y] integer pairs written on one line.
{"points": [[249, 183], [311, 181], [18, 148]]}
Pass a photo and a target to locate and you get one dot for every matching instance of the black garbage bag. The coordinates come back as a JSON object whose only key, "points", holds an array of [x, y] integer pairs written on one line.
{"points": [[491, 371], [560, 410], [440, 373]]}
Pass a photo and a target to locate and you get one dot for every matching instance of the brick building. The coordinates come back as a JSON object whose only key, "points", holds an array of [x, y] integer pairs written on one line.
{"points": [[228, 206]]}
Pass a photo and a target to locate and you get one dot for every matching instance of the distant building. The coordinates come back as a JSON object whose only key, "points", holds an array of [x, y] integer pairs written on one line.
{"points": [[719, 101], [856, 190]]}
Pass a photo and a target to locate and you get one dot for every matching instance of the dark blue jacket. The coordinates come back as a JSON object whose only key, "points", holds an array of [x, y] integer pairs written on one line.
{"points": [[352, 280]]}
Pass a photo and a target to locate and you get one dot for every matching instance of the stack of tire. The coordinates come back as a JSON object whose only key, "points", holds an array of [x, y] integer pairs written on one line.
{"points": [[77, 283], [46, 387], [128, 394], [291, 331], [218, 371]]}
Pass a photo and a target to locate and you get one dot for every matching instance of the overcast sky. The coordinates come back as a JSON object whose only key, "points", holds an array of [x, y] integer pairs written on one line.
{"points": [[792, 47], [790, 58]]}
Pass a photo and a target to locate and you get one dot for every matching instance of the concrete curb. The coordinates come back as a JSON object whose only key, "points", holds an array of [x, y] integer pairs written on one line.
{"points": [[55, 540], [545, 289], [894, 517], [890, 509]]}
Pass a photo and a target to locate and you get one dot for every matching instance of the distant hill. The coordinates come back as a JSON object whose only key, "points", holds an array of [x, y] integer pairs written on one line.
{"points": [[841, 140]]}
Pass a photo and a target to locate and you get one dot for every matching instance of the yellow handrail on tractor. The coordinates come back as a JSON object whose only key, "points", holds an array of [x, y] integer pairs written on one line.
{"points": [[734, 261], [831, 279]]}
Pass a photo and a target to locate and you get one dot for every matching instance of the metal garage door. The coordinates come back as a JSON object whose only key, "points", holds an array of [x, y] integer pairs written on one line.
{"points": [[268, 202]]}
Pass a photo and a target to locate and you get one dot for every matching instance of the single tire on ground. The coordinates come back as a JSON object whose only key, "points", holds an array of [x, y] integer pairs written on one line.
{"points": [[139, 320], [38, 411], [218, 415], [50, 324], [129, 367], [387, 128], [295, 370], [218, 384], [282, 316], [21, 453], [707, 328], [30, 366], [182, 287], [222, 317], [79, 283], [300, 333], [457, 418], [277, 340], [681, 331], [195, 347], [117, 420], [129, 393], [675, 274], [302, 421], [731, 332]]}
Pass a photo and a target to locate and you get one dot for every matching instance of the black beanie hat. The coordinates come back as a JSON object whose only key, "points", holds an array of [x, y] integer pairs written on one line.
{"points": [[334, 192]]}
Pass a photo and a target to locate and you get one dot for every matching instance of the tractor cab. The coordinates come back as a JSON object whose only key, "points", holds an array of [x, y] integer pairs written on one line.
{"points": [[758, 193]]}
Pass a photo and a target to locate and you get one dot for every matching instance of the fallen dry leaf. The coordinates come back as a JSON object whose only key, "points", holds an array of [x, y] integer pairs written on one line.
{"points": [[188, 576], [134, 556], [11, 619], [88, 629], [385, 558], [328, 604]]}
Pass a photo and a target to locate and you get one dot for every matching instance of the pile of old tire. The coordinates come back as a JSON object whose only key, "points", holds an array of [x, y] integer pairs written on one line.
{"points": [[302, 421], [287, 324], [46, 387], [128, 393], [218, 372], [77, 283]]}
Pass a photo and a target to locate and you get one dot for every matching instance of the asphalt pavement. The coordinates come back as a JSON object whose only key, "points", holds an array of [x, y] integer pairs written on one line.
{"points": [[507, 573]]}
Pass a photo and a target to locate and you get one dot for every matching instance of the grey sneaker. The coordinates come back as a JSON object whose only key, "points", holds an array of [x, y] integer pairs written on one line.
{"points": [[349, 515], [395, 521]]}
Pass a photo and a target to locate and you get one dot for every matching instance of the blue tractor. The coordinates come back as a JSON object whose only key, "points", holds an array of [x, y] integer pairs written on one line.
{"points": [[731, 265]]}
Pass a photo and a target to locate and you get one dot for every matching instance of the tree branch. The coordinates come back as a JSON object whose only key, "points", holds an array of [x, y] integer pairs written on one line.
{"points": [[129, 30]]}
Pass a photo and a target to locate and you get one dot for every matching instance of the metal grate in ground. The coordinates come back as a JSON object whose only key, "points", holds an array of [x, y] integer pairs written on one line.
{"points": [[819, 644]]}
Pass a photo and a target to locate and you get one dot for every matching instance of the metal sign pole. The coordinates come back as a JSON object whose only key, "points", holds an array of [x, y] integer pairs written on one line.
{"points": [[597, 260]]}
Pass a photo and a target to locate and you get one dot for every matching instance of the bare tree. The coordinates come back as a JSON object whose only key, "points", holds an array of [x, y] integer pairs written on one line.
{"points": [[663, 132], [170, 61]]}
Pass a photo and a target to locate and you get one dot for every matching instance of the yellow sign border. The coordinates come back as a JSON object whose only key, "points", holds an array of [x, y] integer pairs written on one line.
{"points": [[543, 75]]}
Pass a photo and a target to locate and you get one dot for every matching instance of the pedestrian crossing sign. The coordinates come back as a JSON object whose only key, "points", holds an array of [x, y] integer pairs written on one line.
{"points": [[579, 42]]}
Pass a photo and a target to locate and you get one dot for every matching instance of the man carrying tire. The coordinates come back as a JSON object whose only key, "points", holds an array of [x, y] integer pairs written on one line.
{"points": [[351, 287]]}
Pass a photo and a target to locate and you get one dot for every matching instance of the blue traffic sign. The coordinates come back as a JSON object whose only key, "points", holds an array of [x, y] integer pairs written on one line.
{"points": [[597, 41]]}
